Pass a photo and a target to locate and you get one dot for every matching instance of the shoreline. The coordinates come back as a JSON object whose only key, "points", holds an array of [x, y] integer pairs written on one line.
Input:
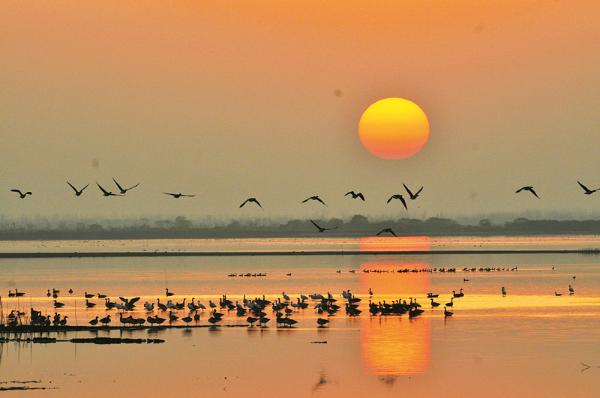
{"points": [[25, 255]]}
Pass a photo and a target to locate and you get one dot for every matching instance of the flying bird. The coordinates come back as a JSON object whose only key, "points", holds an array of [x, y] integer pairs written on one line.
{"points": [[314, 197], [412, 195], [124, 190], [386, 230], [400, 198], [107, 193], [251, 200], [528, 188], [21, 194], [321, 229], [78, 192], [586, 190], [356, 195], [179, 195]]}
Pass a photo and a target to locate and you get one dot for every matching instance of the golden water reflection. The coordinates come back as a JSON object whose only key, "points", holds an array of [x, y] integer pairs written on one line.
{"points": [[394, 345]]}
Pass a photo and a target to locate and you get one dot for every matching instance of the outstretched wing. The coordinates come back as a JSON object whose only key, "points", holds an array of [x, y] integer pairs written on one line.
{"points": [[316, 225], [585, 189], [102, 189], [419, 192], [244, 203], [132, 187], [350, 193], [169, 193], [320, 200], [403, 202], [118, 185], [83, 189], [533, 192], [72, 187], [390, 199], [360, 195], [306, 200], [257, 202], [17, 191], [408, 191]]}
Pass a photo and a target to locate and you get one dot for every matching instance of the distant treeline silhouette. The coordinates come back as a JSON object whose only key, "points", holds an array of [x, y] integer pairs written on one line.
{"points": [[358, 225]]}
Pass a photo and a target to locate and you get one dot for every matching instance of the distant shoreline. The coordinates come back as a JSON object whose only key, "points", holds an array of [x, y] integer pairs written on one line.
{"points": [[24, 255]]}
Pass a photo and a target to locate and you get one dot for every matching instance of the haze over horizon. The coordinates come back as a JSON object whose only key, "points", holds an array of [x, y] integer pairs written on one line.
{"points": [[227, 101]]}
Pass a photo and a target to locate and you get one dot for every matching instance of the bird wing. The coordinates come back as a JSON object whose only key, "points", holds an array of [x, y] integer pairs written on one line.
{"points": [[306, 200], [519, 190], [419, 192], [350, 193], [244, 203], [169, 193], [189, 196], [391, 231], [533, 192], [390, 199], [118, 185], [132, 187], [320, 200], [102, 189], [72, 187], [315, 224], [134, 300], [586, 189], [403, 202], [360, 195], [83, 189], [380, 232], [17, 191], [408, 191], [123, 299], [257, 202]]}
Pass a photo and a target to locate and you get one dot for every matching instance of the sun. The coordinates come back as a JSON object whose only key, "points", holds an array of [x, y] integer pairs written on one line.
{"points": [[393, 128]]}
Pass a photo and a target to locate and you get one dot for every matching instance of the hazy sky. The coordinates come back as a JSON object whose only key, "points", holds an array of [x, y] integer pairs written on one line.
{"points": [[227, 99]]}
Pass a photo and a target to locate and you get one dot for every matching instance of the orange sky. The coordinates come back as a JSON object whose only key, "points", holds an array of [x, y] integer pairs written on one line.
{"points": [[220, 92]]}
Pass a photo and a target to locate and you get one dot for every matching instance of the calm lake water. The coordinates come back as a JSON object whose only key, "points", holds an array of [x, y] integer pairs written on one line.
{"points": [[530, 343]]}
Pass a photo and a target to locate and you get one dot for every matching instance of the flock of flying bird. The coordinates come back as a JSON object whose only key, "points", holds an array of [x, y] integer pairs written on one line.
{"points": [[122, 191]]}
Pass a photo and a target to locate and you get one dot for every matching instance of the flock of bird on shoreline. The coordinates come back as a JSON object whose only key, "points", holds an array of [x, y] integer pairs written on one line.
{"points": [[411, 195], [253, 309]]}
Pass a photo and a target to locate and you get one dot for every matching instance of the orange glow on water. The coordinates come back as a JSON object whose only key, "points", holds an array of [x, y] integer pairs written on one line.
{"points": [[392, 243]]}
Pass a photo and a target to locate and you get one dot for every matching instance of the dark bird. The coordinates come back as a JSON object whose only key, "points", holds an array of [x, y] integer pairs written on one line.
{"points": [[251, 200], [412, 195], [356, 195], [400, 198], [386, 230], [321, 229], [315, 197], [107, 193], [179, 195], [21, 194], [124, 190], [528, 188], [586, 190], [78, 192]]}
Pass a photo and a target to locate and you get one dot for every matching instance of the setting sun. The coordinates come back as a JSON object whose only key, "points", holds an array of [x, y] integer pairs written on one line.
{"points": [[393, 128]]}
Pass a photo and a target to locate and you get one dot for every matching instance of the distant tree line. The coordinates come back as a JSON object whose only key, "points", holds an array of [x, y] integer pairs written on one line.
{"points": [[358, 225]]}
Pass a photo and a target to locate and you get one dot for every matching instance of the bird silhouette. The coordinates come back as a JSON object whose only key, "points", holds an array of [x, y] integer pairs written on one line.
{"points": [[124, 190], [321, 229], [412, 195], [107, 193], [386, 230], [179, 195], [586, 190], [316, 198], [398, 197], [78, 192], [356, 195], [528, 188], [21, 194], [251, 200]]}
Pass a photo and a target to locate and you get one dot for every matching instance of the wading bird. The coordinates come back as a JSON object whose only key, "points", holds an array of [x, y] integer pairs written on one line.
{"points": [[122, 190], [412, 195], [178, 195], [321, 229], [21, 194], [251, 200], [78, 192], [315, 198], [107, 193], [529, 189], [398, 197], [586, 190], [356, 195], [386, 230]]}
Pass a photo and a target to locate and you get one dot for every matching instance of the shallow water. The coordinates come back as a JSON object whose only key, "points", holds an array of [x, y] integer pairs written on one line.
{"points": [[527, 344]]}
